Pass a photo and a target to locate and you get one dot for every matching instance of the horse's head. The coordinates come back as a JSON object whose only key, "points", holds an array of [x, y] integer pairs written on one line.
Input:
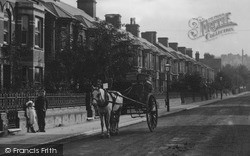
{"points": [[98, 96]]}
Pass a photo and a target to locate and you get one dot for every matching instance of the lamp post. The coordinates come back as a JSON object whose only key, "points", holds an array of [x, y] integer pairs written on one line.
{"points": [[221, 88], [167, 66]]}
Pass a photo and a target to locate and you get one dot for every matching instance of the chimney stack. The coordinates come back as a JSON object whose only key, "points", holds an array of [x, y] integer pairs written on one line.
{"points": [[164, 41], [114, 19], [174, 45], [133, 28], [189, 52], [149, 36], [197, 56], [88, 6], [182, 50]]}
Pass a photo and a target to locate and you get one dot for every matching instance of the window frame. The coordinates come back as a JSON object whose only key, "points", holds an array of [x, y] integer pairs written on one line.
{"points": [[6, 27], [24, 32], [38, 76], [38, 32]]}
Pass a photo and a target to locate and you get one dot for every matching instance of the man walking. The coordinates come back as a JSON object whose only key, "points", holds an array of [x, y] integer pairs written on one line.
{"points": [[41, 105]]}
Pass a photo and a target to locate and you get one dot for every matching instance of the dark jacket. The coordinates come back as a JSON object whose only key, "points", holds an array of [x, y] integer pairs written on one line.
{"points": [[41, 103]]}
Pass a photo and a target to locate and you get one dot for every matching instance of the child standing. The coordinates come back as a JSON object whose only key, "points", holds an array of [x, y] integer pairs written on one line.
{"points": [[31, 115]]}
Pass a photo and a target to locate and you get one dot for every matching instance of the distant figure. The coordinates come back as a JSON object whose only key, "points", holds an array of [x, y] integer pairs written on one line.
{"points": [[41, 105], [221, 94], [99, 83], [148, 85], [88, 90], [31, 116], [148, 88]]}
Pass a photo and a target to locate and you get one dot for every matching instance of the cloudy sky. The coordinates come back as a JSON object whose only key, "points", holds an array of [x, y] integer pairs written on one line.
{"points": [[170, 19]]}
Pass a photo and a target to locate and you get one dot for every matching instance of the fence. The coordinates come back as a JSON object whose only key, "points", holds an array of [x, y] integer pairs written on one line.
{"points": [[12, 103]]}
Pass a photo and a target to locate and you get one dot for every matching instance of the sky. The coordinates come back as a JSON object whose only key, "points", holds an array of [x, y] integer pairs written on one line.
{"points": [[171, 19]]}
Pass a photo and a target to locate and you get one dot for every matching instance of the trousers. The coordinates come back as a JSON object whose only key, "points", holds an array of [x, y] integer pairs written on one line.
{"points": [[41, 119]]}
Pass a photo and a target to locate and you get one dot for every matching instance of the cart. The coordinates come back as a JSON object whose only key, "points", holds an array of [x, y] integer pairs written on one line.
{"points": [[139, 101]]}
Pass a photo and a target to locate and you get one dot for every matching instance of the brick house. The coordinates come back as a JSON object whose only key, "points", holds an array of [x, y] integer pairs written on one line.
{"points": [[23, 25], [40, 29]]}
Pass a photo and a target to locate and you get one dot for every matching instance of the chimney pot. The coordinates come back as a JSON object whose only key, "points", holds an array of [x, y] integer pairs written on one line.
{"points": [[183, 50], [132, 20], [133, 28], [149, 36], [189, 52], [174, 45], [88, 6], [197, 56], [164, 41], [114, 19]]}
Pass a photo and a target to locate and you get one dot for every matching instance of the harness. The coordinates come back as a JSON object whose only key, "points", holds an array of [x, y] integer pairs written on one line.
{"points": [[113, 94]]}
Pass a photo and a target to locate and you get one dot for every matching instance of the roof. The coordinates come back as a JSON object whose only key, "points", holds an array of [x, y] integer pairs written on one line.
{"points": [[84, 21], [151, 46], [73, 10], [63, 10], [166, 50], [57, 11]]}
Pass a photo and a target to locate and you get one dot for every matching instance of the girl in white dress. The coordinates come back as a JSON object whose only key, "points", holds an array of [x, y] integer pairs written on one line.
{"points": [[31, 115]]}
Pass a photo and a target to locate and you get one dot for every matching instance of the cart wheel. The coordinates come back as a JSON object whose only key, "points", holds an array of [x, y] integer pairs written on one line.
{"points": [[152, 114]]}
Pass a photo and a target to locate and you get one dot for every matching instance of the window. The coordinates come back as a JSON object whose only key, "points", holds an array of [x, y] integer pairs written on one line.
{"points": [[82, 37], [144, 61], [27, 75], [6, 76], [38, 32], [24, 74], [157, 63], [151, 61], [138, 59], [24, 29], [7, 24], [38, 74], [80, 40], [25, 78], [63, 35]]}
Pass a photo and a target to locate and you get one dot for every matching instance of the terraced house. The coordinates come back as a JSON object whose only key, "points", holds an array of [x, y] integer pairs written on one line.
{"points": [[43, 28], [40, 29]]}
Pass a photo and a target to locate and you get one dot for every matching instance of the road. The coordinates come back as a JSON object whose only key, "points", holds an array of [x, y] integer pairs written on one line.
{"points": [[217, 129]]}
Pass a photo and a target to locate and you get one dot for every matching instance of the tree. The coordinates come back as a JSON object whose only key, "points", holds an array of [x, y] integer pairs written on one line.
{"points": [[107, 55], [232, 77], [16, 54], [61, 73], [111, 55], [194, 81], [208, 56]]}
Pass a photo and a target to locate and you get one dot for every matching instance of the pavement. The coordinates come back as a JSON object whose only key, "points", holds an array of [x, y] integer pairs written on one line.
{"points": [[93, 127]]}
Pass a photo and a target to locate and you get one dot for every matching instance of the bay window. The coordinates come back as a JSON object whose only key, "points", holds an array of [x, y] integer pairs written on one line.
{"points": [[38, 32], [24, 29], [38, 74], [7, 24]]}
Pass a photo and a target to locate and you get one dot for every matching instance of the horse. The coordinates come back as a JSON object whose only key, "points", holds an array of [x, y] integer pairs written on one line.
{"points": [[109, 106], [117, 101]]}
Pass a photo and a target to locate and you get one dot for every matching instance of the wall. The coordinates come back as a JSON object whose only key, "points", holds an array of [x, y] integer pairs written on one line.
{"points": [[57, 117]]}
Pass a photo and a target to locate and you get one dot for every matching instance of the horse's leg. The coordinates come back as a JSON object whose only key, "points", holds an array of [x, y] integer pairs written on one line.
{"points": [[107, 123], [111, 123], [102, 124], [118, 120]]}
